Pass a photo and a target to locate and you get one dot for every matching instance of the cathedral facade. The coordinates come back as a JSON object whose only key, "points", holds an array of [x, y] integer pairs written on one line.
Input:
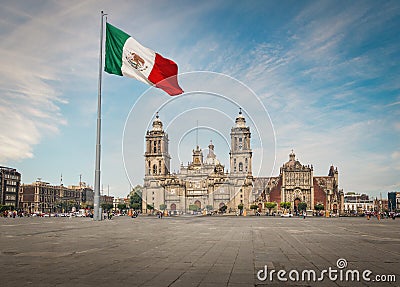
{"points": [[205, 183], [297, 183]]}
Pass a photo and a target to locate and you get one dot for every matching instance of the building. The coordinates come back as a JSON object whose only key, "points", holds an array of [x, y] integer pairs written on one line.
{"points": [[10, 180], [297, 183], [86, 194], [42, 197], [204, 183], [118, 201], [107, 199], [381, 204], [394, 201], [355, 203]]}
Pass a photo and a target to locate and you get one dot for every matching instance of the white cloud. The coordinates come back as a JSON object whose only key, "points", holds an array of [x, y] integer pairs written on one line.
{"points": [[396, 155]]}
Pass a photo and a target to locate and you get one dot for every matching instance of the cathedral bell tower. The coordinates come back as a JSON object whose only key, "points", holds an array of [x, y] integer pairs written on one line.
{"points": [[241, 153], [157, 158]]}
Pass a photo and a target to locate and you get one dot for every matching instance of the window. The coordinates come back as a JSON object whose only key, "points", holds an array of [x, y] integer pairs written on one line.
{"points": [[149, 167], [240, 143], [10, 197], [159, 166], [155, 147], [10, 189], [234, 165], [159, 146], [240, 166], [155, 169]]}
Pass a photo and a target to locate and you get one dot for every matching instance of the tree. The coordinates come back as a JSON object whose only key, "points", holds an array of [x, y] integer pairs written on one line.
{"points": [[319, 207], [107, 206], [135, 198], [150, 207], [270, 205], [193, 207], [223, 208], [302, 206], [209, 207], [6, 207], [136, 206], [254, 207], [285, 205], [163, 207], [121, 206]]}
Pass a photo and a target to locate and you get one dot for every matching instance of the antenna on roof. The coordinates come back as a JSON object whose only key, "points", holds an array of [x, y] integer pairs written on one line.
{"points": [[197, 134]]}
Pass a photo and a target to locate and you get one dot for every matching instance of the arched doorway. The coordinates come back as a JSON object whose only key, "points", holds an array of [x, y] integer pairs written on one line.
{"points": [[296, 205], [173, 206], [221, 204], [198, 203]]}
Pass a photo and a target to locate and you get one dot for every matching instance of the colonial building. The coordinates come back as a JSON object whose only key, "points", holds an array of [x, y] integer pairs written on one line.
{"points": [[86, 194], [43, 197], [297, 183], [10, 180], [355, 203], [205, 183]]}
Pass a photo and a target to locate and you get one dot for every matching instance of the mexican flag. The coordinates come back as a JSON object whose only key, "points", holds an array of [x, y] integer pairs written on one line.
{"points": [[127, 57]]}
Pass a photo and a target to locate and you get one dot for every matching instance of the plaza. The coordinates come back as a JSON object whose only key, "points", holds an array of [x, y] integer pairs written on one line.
{"points": [[192, 250]]}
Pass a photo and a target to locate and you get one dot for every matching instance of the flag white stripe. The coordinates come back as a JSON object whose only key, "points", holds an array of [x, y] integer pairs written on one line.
{"points": [[144, 63]]}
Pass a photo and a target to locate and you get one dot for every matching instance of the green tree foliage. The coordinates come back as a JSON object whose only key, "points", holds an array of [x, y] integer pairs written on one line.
{"points": [[6, 207], [193, 207], [209, 207], [223, 208], [135, 198], [163, 207], [319, 206], [286, 205], [270, 206], [240, 206], [302, 206], [136, 206], [121, 206], [106, 206]]}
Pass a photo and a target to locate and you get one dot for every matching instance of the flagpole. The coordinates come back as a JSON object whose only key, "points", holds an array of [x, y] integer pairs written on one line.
{"points": [[96, 203]]}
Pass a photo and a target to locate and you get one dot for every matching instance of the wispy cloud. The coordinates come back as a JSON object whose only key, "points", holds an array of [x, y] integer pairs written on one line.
{"points": [[328, 76], [314, 85]]}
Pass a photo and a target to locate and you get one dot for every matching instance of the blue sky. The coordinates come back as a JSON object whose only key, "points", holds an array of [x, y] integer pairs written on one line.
{"points": [[326, 71]]}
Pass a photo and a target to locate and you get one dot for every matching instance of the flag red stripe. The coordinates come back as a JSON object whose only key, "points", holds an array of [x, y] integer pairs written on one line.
{"points": [[164, 75]]}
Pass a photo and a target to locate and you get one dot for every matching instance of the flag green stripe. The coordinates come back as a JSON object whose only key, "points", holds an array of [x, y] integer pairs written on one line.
{"points": [[115, 40]]}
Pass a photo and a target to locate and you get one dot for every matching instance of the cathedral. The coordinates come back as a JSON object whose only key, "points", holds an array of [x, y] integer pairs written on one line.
{"points": [[205, 184]]}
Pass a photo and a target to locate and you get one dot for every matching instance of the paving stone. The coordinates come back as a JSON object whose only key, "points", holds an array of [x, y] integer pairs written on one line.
{"points": [[191, 251]]}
